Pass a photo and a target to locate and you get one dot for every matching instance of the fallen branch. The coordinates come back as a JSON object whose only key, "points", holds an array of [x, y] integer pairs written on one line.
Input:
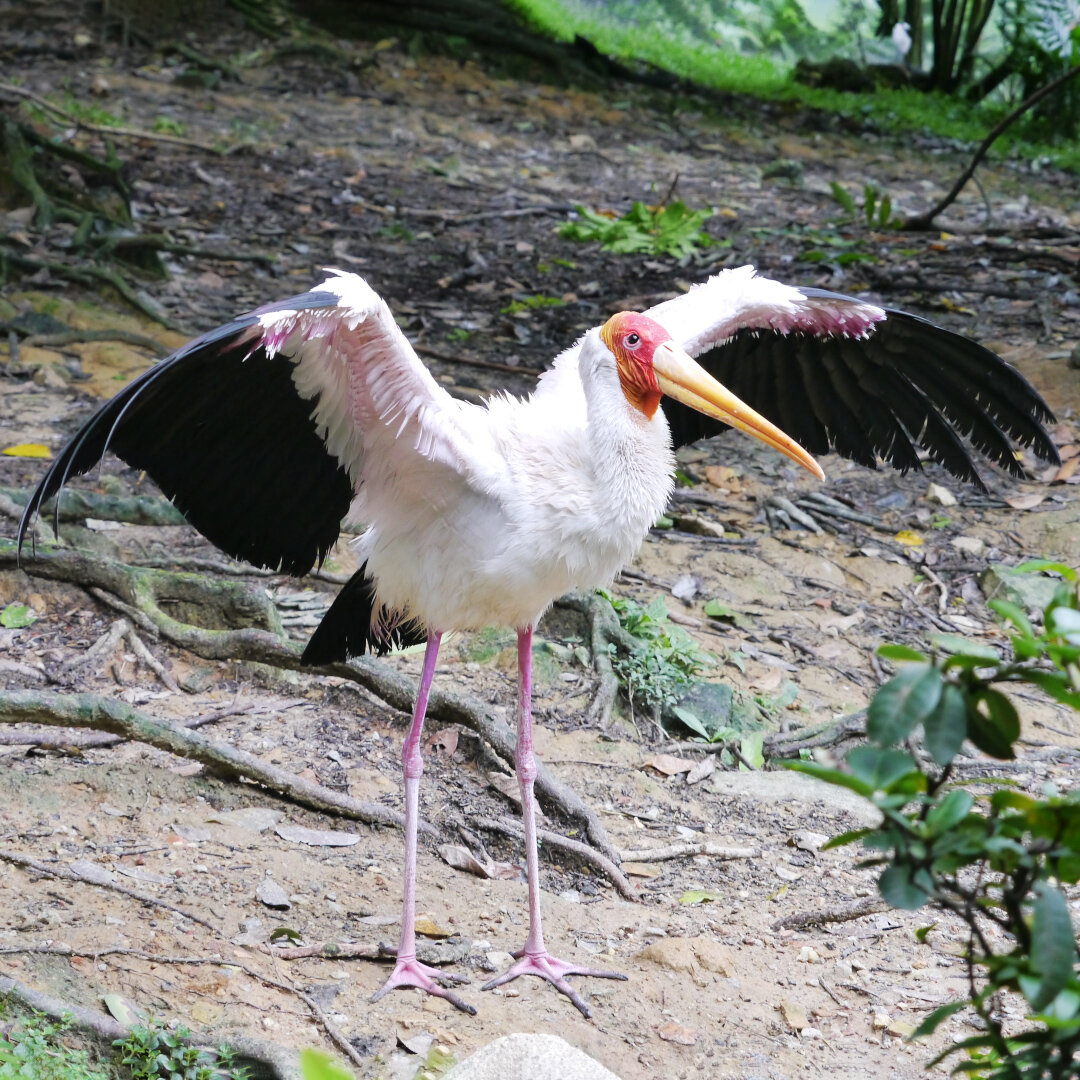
{"points": [[807, 920], [67, 873], [680, 851], [926, 220], [104, 714], [563, 843]]}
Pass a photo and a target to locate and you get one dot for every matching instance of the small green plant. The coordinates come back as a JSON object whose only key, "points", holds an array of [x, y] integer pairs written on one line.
{"points": [[663, 660], [999, 860], [673, 229], [315, 1065], [35, 1049], [457, 335], [155, 1053], [16, 617], [397, 231], [166, 125], [532, 303], [876, 209]]}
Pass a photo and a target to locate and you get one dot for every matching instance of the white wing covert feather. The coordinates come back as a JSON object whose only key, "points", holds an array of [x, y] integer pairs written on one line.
{"points": [[371, 392]]}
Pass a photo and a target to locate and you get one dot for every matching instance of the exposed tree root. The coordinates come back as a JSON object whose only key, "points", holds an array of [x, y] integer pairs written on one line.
{"points": [[68, 873], [681, 851], [564, 843], [274, 1062], [143, 591], [105, 714]]}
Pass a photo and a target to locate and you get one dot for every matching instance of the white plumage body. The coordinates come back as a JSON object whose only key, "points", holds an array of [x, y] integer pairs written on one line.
{"points": [[479, 515]]}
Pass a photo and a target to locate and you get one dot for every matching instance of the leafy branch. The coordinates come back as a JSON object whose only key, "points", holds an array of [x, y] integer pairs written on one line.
{"points": [[1000, 860]]}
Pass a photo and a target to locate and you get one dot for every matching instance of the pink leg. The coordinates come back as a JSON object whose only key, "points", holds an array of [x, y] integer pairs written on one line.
{"points": [[534, 957], [408, 971]]}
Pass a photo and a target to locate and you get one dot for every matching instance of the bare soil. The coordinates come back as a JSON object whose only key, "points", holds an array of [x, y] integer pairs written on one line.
{"points": [[411, 171]]}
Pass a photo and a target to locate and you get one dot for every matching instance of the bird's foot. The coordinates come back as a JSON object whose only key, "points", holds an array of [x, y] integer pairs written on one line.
{"points": [[545, 966], [411, 973]]}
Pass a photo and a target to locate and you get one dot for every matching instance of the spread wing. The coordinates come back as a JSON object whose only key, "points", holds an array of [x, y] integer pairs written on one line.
{"points": [[261, 431], [838, 373]]}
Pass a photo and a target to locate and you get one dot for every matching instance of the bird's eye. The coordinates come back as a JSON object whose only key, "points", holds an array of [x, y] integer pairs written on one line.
{"points": [[632, 341]]}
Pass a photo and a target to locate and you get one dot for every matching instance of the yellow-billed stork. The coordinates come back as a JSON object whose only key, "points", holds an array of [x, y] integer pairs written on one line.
{"points": [[271, 431]]}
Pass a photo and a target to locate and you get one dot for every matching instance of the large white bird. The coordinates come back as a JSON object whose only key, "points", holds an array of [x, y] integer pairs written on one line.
{"points": [[271, 431]]}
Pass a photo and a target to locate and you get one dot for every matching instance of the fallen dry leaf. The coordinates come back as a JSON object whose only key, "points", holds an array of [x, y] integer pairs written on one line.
{"points": [[1028, 501], [1067, 470], [668, 764], [443, 743], [427, 926], [676, 1033], [638, 869], [297, 834], [794, 1014]]}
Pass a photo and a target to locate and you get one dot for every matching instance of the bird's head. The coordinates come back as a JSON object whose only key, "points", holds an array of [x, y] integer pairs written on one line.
{"points": [[650, 365]]}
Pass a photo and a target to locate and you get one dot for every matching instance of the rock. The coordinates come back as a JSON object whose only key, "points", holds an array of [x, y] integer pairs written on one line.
{"points": [[530, 1057], [1032, 592], [690, 955], [969, 545], [272, 895], [794, 1014], [937, 493]]}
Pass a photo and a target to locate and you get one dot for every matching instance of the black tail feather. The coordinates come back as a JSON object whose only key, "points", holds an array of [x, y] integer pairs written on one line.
{"points": [[347, 628]]}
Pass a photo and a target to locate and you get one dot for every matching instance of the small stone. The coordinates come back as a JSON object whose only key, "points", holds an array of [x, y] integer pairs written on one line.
{"points": [[808, 955], [937, 493], [881, 1020], [272, 895], [969, 545]]}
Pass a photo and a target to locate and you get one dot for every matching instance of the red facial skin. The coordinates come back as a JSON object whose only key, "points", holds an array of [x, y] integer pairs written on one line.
{"points": [[632, 339]]}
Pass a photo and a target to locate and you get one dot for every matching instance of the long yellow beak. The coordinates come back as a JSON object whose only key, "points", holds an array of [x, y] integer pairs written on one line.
{"points": [[681, 377]]}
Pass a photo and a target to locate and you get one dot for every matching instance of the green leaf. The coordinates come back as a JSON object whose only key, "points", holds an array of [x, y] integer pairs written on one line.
{"points": [[750, 747], [901, 654], [1053, 947], [921, 934], [699, 896], [848, 837], [1040, 566], [315, 1065], [843, 197], [1063, 622], [878, 769], [1007, 611], [945, 728], [931, 1020], [957, 643], [900, 891], [995, 730], [902, 703], [830, 776], [1055, 684], [16, 616], [715, 610], [950, 811], [285, 933]]}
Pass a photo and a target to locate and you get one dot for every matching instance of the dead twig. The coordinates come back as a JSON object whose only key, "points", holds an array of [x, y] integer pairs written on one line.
{"points": [[68, 873], [926, 220], [563, 843], [807, 920]]}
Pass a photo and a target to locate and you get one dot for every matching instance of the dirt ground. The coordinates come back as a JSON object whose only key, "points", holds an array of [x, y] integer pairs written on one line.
{"points": [[412, 171]]}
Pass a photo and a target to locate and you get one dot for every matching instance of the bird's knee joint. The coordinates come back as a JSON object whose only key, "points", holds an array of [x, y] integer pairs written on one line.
{"points": [[412, 762], [526, 767]]}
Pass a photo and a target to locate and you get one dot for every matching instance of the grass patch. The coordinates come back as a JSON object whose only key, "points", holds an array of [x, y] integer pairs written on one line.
{"points": [[895, 111]]}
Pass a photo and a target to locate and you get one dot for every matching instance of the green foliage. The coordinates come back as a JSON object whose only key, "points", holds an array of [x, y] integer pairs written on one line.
{"points": [[673, 229], [532, 303], [166, 125], [876, 208], [315, 1065], [35, 1049], [998, 860], [16, 616], [156, 1053], [665, 659]]}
